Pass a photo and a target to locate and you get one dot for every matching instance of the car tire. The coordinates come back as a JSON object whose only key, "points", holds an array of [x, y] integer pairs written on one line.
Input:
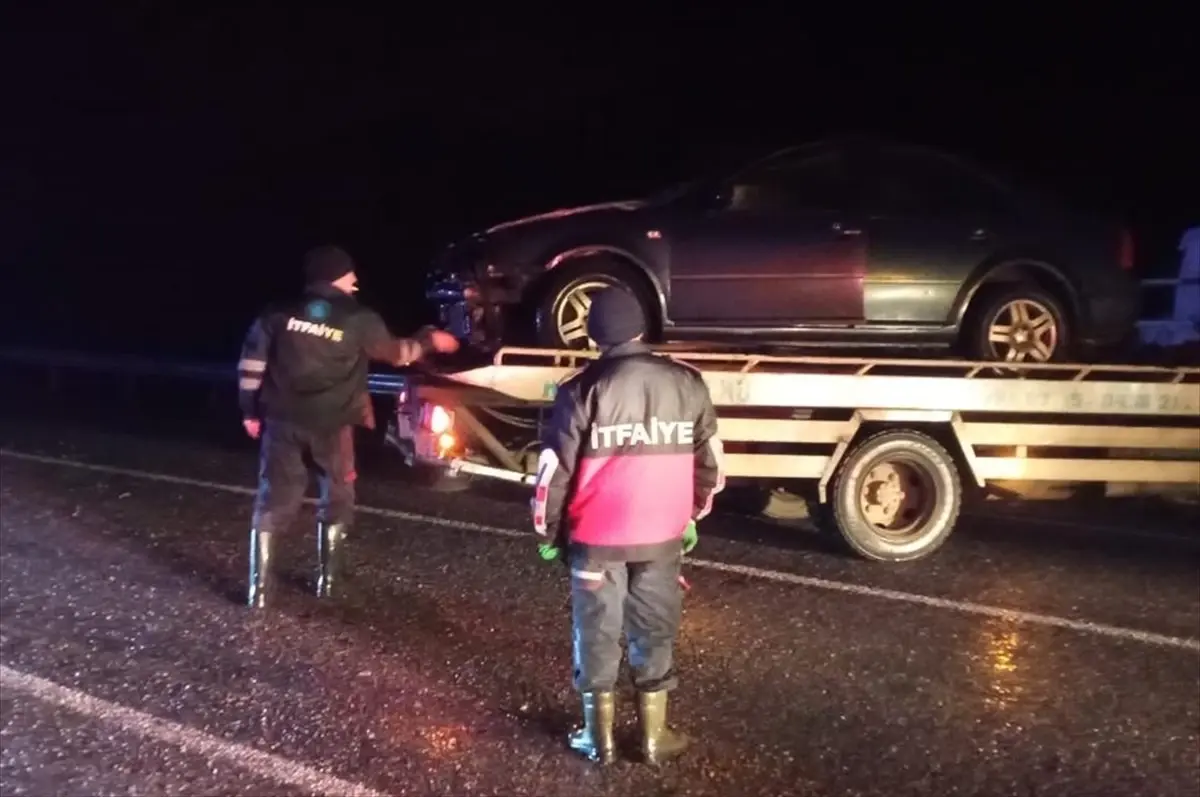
{"points": [[998, 309], [557, 309], [904, 459]]}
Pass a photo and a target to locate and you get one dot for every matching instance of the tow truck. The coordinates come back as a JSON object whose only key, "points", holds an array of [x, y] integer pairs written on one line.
{"points": [[886, 450]]}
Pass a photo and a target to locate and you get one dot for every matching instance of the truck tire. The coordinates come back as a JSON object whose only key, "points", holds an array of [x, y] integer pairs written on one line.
{"points": [[896, 496], [560, 309]]}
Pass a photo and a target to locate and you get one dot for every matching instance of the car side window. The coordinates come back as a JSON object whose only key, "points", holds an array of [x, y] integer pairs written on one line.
{"points": [[812, 183], [910, 186]]}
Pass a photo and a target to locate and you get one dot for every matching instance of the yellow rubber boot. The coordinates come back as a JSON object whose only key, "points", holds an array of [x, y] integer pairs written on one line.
{"points": [[659, 742], [595, 740]]}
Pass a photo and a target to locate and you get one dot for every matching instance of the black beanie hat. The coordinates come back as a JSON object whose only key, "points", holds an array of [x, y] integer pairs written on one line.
{"points": [[615, 317], [326, 264]]}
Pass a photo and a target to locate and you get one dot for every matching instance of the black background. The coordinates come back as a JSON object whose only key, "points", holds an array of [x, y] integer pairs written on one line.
{"points": [[163, 170]]}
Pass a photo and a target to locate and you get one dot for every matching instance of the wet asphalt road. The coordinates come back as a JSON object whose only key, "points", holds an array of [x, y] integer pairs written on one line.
{"points": [[804, 671]]}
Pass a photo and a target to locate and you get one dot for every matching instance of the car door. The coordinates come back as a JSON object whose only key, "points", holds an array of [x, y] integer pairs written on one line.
{"points": [[931, 221], [780, 246]]}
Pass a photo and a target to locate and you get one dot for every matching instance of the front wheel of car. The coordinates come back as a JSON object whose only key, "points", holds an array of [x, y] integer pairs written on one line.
{"points": [[563, 310], [1017, 325]]}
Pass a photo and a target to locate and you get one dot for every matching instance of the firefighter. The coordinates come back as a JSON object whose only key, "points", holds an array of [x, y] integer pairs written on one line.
{"points": [[630, 459], [302, 386]]}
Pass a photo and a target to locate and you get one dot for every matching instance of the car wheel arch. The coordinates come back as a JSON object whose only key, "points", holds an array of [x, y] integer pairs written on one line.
{"points": [[579, 254], [1017, 270]]}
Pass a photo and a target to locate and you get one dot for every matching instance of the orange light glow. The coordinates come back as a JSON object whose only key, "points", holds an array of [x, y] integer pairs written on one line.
{"points": [[440, 420]]}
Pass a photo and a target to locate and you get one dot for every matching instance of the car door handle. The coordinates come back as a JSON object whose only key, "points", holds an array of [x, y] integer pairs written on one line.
{"points": [[979, 234], [843, 230]]}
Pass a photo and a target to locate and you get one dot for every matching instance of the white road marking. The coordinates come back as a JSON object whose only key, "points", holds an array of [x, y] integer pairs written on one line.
{"points": [[1010, 516], [965, 607], [277, 768]]}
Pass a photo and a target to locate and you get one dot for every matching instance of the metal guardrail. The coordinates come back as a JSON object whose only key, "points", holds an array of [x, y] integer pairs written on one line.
{"points": [[133, 366], [1168, 282], [117, 364]]}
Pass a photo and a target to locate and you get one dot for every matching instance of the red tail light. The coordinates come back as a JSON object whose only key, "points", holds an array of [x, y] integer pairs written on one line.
{"points": [[1126, 254]]}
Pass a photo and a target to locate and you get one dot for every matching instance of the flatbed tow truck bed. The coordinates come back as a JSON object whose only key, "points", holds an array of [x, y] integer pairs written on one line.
{"points": [[888, 444]]}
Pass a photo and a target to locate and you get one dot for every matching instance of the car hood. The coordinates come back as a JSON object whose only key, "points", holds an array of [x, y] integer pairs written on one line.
{"points": [[627, 205]]}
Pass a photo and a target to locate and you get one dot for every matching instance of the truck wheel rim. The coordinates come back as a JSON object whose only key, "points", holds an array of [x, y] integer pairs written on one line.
{"points": [[571, 311], [1023, 330], [897, 498]]}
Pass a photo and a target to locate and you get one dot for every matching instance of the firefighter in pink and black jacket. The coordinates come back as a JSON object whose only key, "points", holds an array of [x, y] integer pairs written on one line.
{"points": [[629, 461]]}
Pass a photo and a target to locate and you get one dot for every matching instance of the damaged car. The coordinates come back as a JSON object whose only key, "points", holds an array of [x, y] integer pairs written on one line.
{"points": [[850, 243]]}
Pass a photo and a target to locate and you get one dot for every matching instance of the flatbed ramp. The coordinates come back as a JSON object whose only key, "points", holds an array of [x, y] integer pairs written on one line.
{"points": [[887, 442]]}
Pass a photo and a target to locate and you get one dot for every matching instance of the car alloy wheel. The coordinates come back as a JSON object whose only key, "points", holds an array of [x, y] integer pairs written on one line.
{"points": [[571, 312], [1023, 330]]}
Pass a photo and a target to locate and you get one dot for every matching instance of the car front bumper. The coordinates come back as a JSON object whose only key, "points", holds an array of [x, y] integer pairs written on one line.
{"points": [[473, 309]]}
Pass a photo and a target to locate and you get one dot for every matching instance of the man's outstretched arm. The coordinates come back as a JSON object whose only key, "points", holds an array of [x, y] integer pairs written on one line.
{"points": [[379, 343]]}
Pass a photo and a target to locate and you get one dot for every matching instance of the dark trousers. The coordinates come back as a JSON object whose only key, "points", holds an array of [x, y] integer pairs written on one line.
{"points": [[287, 455], [644, 600]]}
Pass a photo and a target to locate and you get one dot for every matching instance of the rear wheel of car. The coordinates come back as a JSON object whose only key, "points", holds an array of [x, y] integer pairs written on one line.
{"points": [[563, 310], [1017, 324]]}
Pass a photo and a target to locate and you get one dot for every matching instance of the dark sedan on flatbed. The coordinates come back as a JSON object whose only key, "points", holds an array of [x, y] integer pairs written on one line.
{"points": [[850, 243]]}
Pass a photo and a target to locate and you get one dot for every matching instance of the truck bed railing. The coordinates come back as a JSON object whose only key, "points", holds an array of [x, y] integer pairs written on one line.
{"points": [[860, 366], [741, 381]]}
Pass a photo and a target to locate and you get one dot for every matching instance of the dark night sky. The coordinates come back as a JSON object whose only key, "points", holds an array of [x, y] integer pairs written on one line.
{"points": [[164, 170]]}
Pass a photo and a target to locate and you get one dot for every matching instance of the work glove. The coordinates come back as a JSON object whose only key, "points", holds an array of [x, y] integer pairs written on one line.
{"points": [[690, 537], [548, 552]]}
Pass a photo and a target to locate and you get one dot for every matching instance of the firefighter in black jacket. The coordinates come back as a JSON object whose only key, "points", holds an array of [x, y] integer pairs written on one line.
{"points": [[629, 461], [302, 385]]}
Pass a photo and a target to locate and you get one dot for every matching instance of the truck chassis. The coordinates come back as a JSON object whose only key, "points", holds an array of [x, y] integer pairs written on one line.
{"points": [[887, 447]]}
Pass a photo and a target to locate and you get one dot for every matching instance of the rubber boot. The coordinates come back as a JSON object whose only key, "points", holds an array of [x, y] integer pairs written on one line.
{"points": [[595, 740], [331, 538], [260, 569], [659, 742]]}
